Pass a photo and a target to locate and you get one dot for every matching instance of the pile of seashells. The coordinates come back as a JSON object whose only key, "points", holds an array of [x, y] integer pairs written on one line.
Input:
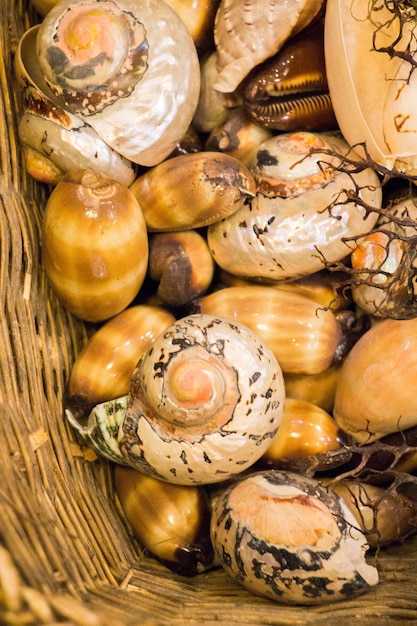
{"points": [[232, 206]]}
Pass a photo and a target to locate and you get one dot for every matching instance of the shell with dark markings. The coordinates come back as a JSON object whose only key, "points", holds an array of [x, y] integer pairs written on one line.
{"points": [[283, 536], [204, 402]]}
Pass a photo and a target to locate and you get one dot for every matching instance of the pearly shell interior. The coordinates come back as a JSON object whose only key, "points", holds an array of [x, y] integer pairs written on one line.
{"points": [[57, 134], [128, 67]]}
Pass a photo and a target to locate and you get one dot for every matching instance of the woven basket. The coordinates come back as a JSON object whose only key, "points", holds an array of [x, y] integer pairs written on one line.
{"points": [[66, 554]]}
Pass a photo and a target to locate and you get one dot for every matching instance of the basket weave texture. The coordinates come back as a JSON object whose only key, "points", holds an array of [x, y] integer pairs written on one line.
{"points": [[66, 554]]}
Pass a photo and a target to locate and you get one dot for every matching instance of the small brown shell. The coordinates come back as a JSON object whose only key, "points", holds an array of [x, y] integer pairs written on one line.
{"points": [[247, 33], [182, 264]]}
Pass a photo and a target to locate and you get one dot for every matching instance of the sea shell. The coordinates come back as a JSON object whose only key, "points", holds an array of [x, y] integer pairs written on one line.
{"points": [[283, 536], [248, 32], [304, 336], [305, 436], [181, 264], [289, 91], [106, 60], [94, 245], [103, 369], [204, 402], [383, 263], [304, 211], [370, 51], [172, 522], [61, 139], [192, 190], [375, 393]]}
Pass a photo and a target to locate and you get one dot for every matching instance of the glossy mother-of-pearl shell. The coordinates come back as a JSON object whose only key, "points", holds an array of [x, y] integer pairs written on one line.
{"points": [[205, 401], [129, 68], [58, 135], [283, 536], [296, 222], [373, 93]]}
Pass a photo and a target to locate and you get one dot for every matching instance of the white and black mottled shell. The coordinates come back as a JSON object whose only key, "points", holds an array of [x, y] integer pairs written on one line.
{"points": [[302, 213], [283, 536], [205, 401]]}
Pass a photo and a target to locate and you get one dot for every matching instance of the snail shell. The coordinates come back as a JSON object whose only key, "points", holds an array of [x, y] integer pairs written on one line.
{"points": [[60, 141], [300, 216], [281, 535], [94, 245], [130, 69], [171, 521], [384, 515], [204, 402], [192, 190], [305, 436], [304, 336], [247, 33], [103, 369], [182, 265]]}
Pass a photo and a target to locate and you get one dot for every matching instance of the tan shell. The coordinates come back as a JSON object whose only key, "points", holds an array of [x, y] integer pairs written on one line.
{"points": [[247, 33], [302, 334], [281, 535], [192, 190], [374, 91], [375, 394]]}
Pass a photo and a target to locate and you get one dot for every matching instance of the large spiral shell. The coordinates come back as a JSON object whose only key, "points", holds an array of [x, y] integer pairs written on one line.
{"points": [[128, 68], [204, 402]]}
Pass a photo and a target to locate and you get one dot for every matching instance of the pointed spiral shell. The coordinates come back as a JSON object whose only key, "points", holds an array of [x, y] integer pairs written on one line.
{"points": [[204, 402]]}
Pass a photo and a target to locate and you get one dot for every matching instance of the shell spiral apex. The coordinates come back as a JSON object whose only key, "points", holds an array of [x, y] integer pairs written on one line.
{"points": [[129, 69]]}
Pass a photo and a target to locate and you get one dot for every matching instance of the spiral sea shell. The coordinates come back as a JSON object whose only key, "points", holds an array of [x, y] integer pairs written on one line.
{"points": [[204, 402], [55, 139], [129, 69]]}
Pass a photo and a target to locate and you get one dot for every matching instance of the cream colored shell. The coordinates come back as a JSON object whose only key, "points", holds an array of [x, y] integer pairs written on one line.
{"points": [[300, 216], [281, 535], [247, 33], [205, 401], [374, 92]]}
